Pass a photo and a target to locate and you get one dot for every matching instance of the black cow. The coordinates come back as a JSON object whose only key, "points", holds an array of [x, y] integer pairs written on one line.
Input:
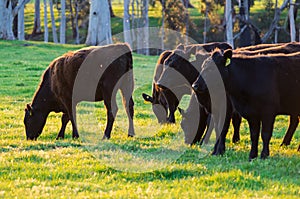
{"points": [[178, 65], [260, 87], [163, 101], [89, 74]]}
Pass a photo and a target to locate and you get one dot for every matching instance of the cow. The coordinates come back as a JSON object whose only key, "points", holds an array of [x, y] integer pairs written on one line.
{"points": [[282, 48], [177, 65], [163, 101], [88, 74], [259, 86]]}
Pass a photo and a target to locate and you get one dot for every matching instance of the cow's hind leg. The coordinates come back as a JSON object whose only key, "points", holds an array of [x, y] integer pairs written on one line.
{"points": [[64, 121], [254, 125], [236, 122], [294, 121], [266, 134], [111, 112], [71, 113], [172, 108], [126, 89]]}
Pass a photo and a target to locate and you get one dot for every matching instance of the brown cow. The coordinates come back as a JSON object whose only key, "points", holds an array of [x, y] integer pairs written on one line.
{"points": [[89, 74]]}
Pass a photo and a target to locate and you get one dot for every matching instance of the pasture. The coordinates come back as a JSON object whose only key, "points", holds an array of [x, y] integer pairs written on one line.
{"points": [[154, 164]]}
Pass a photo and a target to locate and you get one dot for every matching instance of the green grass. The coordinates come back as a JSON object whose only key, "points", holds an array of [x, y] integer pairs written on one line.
{"points": [[154, 164]]}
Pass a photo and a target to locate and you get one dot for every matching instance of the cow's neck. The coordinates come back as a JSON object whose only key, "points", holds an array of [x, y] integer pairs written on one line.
{"points": [[44, 97]]}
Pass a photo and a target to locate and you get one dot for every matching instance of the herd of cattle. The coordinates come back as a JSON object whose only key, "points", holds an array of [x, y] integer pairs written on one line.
{"points": [[256, 83]]}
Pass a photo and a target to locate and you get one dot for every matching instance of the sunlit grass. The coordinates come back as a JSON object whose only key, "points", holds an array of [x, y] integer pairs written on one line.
{"points": [[154, 164]]}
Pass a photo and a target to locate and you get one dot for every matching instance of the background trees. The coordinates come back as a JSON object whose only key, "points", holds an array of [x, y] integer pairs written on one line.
{"points": [[204, 21]]}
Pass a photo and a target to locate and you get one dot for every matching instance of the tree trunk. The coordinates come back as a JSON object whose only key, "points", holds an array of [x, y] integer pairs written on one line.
{"points": [[126, 23], [55, 40], [37, 18], [99, 31], [245, 37], [63, 22], [21, 27], [2, 18], [112, 14], [292, 22], [9, 22], [77, 41], [46, 34], [228, 16]]}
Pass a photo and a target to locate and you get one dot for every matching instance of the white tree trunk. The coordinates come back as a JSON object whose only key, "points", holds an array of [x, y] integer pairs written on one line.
{"points": [[37, 17], [143, 28], [7, 15], [46, 33], [99, 31], [9, 23], [63, 22], [77, 41], [228, 16], [54, 33], [292, 22], [126, 23], [21, 26], [2, 18]]}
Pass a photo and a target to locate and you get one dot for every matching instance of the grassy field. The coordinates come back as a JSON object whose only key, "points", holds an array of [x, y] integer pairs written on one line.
{"points": [[154, 164]]}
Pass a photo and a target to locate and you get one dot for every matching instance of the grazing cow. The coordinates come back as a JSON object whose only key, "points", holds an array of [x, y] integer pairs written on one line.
{"points": [[89, 74], [162, 100], [260, 87], [177, 65]]}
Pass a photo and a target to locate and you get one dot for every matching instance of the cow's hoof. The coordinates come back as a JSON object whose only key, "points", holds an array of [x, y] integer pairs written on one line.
{"points": [[130, 136], [264, 156], [60, 138], [285, 144], [299, 148], [105, 137], [252, 156], [235, 139], [75, 137]]}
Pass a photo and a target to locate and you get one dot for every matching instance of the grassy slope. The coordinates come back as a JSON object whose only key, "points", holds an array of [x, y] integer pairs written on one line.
{"points": [[49, 168]]}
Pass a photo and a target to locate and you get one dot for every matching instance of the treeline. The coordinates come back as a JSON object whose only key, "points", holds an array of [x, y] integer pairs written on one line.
{"points": [[90, 21]]}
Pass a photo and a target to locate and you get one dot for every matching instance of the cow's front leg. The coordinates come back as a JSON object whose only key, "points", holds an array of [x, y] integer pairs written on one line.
{"points": [[111, 111], [172, 108], [254, 125], [266, 134], [64, 121], [236, 122], [294, 121], [219, 148]]}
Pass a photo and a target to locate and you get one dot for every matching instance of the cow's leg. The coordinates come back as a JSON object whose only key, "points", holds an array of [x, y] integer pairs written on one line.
{"points": [[294, 121], [266, 134], [299, 148], [201, 126], [236, 122], [210, 126], [126, 89], [111, 111], [71, 112], [219, 148], [172, 108], [64, 121], [254, 125]]}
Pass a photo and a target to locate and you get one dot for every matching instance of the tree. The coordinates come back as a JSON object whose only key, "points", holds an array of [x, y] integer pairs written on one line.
{"points": [[7, 15], [126, 23], [37, 18], [55, 40], [245, 36], [292, 22], [46, 33], [21, 26], [63, 22], [228, 19], [99, 30]]}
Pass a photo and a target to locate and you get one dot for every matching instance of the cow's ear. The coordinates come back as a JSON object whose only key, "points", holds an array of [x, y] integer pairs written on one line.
{"points": [[29, 109], [182, 112], [227, 57], [180, 47], [147, 98]]}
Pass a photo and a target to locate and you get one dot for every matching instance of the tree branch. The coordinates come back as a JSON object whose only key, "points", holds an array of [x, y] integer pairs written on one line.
{"points": [[17, 8]]}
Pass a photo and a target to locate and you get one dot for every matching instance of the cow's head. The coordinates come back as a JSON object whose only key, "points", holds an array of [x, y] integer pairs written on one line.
{"points": [[159, 106], [34, 121], [217, 63]]}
